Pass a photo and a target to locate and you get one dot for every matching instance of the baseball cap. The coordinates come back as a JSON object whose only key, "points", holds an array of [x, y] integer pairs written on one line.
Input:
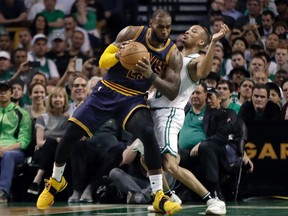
{"points": [[58, 35], [257, 45], [4, 54], [5, 85], [211, 90], [38, 37]]}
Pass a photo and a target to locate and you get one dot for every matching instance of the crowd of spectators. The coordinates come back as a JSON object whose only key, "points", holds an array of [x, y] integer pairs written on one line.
{"points": [[249, 76]]}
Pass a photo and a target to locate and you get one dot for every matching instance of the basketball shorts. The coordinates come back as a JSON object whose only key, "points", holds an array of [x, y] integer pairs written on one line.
{"points": [[167, 124], [103, 104]]}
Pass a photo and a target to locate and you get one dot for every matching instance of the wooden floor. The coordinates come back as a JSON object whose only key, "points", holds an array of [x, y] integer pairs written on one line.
{"points": [[258, 207]]}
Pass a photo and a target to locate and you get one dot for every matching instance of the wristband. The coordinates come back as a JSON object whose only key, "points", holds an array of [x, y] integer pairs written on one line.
{"points": [[152, 77]]}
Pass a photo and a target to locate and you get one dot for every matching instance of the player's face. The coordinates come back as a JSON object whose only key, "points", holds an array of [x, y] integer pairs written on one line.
{"points": [[193, 35], [161, 28]]}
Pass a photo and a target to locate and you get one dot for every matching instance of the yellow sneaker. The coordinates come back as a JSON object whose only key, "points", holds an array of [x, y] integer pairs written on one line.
{"points": [[46, 198], [163, 204]]}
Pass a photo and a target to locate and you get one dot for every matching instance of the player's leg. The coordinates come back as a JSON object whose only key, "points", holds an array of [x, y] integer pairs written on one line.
{"points": [[140, 124], [57, 182]]}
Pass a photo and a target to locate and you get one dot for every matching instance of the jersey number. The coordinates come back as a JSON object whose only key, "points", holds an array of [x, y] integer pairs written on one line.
{"points": [[134, 75]]}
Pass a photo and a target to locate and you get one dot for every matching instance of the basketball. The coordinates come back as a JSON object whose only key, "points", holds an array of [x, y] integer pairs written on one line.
{"points": [[133, 52]]}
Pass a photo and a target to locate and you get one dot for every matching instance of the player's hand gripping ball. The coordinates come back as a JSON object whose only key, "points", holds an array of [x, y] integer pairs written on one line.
{"points": [[132, 53]]}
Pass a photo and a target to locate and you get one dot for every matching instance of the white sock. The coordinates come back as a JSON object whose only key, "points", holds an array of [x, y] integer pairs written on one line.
{"points": [[58, 172], [156, 182]]}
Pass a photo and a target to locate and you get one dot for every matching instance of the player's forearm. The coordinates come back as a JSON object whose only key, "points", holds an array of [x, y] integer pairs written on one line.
{"points": [[204, 67], [168, 89]]}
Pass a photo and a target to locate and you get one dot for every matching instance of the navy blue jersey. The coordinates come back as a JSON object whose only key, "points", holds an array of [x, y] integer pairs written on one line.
{"points": [[121, 92], [132, 83]]}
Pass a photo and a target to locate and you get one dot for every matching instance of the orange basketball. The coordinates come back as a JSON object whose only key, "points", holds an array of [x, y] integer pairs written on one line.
{"points": [[133, 52]]}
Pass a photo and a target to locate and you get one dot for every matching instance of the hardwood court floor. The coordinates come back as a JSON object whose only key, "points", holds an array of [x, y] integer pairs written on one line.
{"points": [[247, 208]]}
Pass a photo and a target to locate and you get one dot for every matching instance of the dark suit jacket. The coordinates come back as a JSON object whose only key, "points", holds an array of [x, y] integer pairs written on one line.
{"points": [[271, 112]]}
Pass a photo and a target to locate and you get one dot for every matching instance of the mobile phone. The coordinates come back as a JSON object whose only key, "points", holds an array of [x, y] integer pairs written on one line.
{"points": [[78, 64], [34, 64], [252, 21]]}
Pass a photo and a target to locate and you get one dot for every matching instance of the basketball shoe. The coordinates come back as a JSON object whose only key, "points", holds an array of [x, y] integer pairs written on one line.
{"points": [[173, 198], [215, 207], [46, 198], [163, 204]]}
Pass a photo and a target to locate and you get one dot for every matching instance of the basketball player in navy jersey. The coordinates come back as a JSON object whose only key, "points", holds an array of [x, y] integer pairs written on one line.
{"points": [[121, 95]]}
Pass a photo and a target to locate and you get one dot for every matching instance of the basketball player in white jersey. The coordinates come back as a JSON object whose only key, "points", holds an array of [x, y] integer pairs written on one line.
{"points": [[169, 115]]}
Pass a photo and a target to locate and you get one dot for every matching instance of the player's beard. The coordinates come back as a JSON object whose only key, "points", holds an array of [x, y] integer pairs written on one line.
{"points": [[156, 38]]}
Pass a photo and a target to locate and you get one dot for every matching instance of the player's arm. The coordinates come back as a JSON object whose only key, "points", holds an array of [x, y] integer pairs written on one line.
{"points": [[200, 67], [110, 56], [169, 86]]}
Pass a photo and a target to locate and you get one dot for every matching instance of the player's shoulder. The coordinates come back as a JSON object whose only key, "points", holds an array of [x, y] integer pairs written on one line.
{"points": [[128, 33]]}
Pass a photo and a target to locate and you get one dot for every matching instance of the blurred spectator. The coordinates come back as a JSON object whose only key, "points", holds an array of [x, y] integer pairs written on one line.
{"points": [[5, 66], [25, 39], [219, 52], [39, 51], [251, 35], [257, 63], [70, 26], [245, 91], [78, 92], [282, 10], [284, 109], [269, 65], [237, 60], [252, 18], [216, 65], [85, 18], [281, 58], [39, 25], [50, 127], [6, 43], [237, 74], [212, 79], [38, 7], [15, 136], [280, 76], [225, 89], [260, 108], [54, 16], [230, 9], [58, 53], [77, 42], [280, 28], [13, 13], [18, 96], [255, 47], [114, 18], [268, 20], [271, 44], [275, 93], [260, 77]]}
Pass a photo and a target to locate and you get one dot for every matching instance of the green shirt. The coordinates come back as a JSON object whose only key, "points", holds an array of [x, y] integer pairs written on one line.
{"points": [[52, 16], [91, 21], [9, 121], [235, 107], [192, 131], [6, 75]]}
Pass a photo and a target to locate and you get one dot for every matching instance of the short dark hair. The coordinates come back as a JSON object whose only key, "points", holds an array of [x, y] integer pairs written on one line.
{"points": [[229, 83], [261, 86], [160, 11]]}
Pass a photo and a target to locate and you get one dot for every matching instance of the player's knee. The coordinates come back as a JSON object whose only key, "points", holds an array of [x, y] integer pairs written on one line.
{"points": [[170, 166]]}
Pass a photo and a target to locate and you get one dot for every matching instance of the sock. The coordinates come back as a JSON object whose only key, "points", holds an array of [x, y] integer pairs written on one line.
{"points": [[58, 172], [168, 192], [156, 182], [207, 197]]}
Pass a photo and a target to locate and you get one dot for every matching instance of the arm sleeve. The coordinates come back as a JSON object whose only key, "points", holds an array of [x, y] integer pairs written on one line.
{"points": [[108, 58]]}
